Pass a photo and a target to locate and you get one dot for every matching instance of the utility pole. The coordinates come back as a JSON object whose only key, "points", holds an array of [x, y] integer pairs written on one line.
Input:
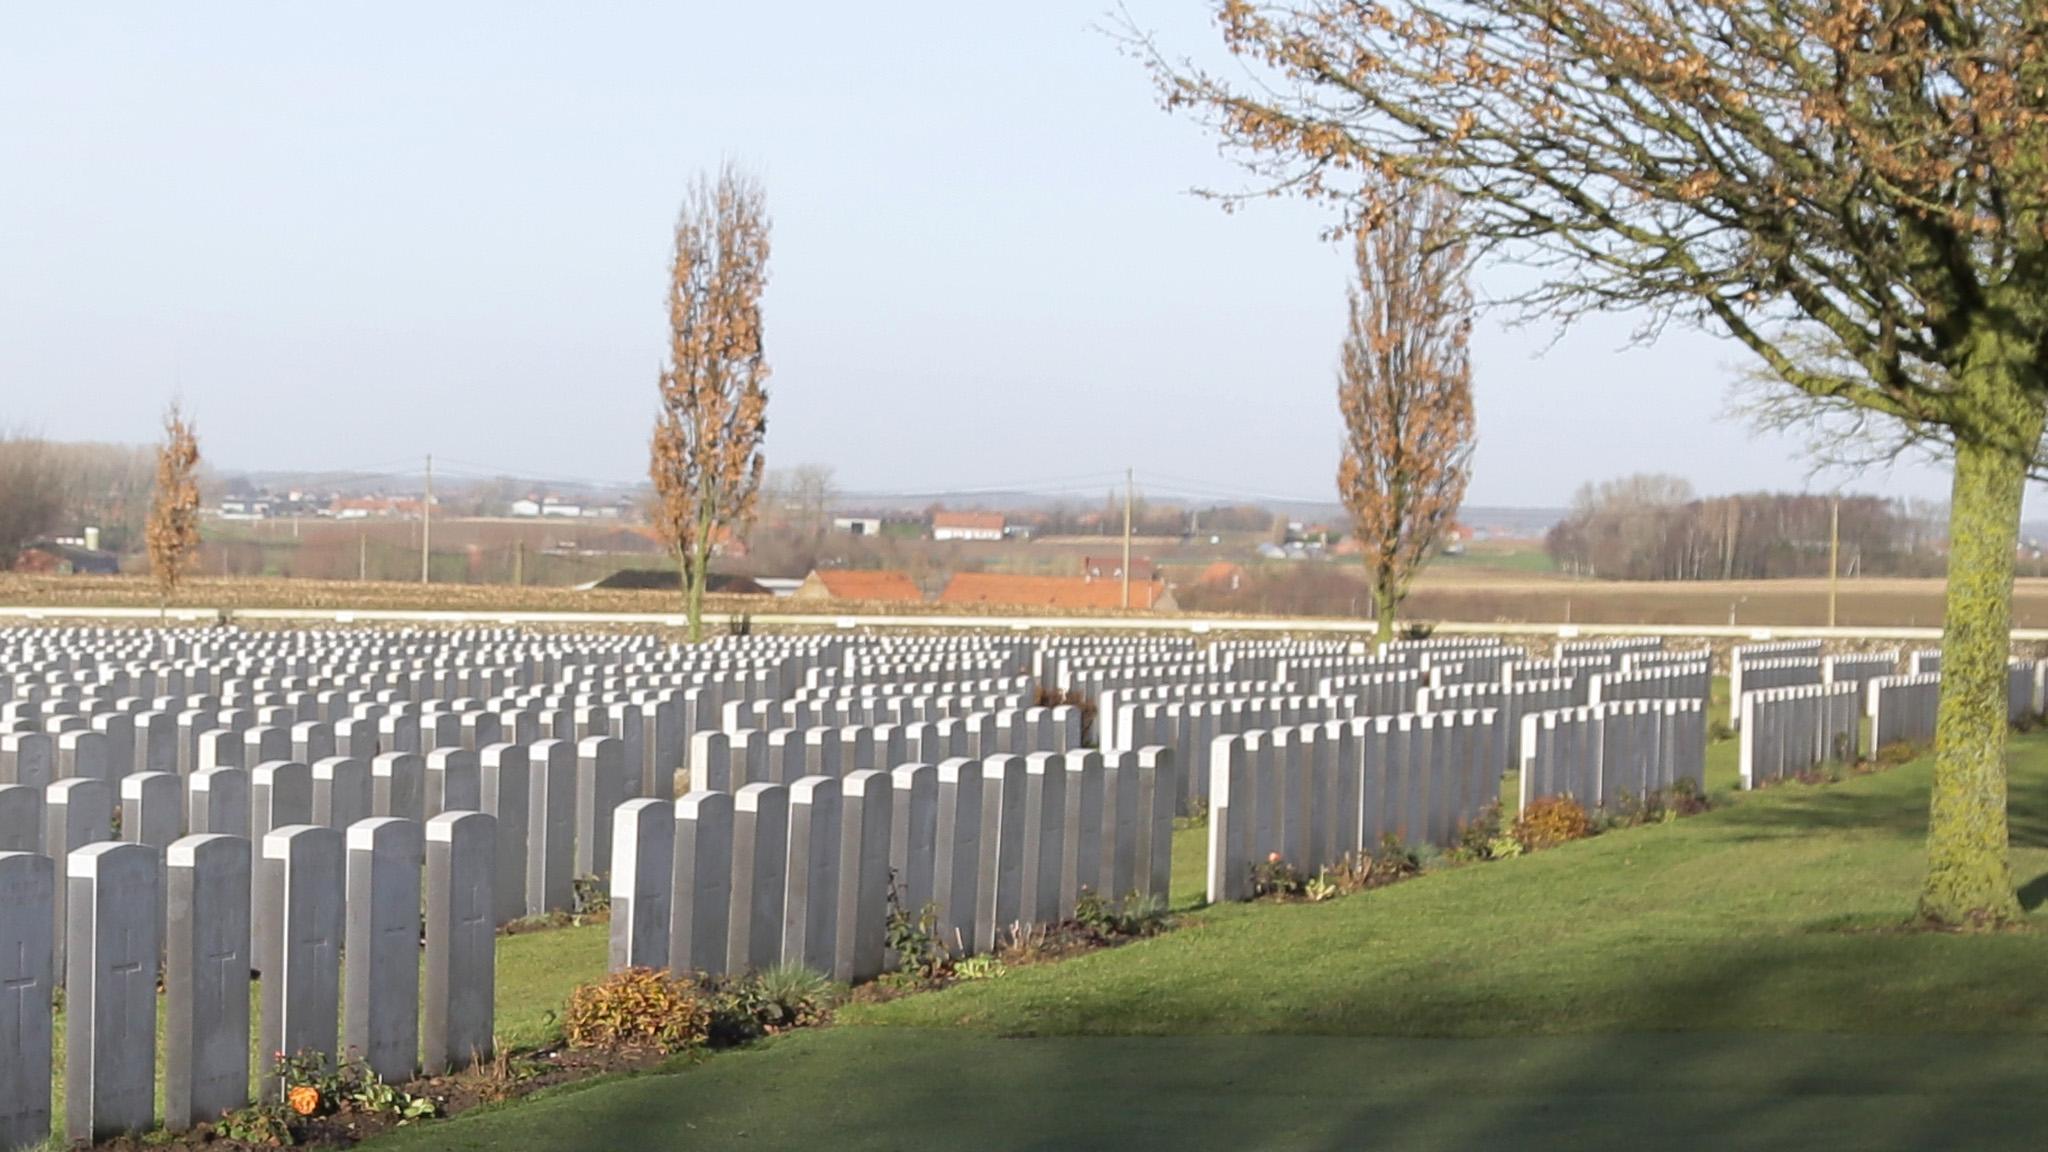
{"points": [[1834, 552], [519, 562], [1129, 482], [427, 520], [362, 556]]}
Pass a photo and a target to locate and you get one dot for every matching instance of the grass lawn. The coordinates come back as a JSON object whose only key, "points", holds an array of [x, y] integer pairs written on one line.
{"points": [[1732, 980]]}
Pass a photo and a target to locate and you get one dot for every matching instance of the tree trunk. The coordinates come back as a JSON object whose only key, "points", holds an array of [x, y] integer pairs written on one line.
{"points": [[1969, 877], [695, 577], [1384, 601]]}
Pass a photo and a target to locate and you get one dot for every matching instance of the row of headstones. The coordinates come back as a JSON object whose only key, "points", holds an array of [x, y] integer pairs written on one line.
{"points": [[770, 714], [1790, 731], [1616, 646], [1314, 793], [724, 761], [1743, 657], [200, 910], [1376, 693], [1512, 702], [802, 872], [1191, 729], [1601, 754], [1903, 709], [552, 799], [1668, 682]]}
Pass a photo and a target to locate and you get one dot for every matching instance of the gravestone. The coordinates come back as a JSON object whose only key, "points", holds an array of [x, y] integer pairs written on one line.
{"points": [[999, 904], [760, 851], [461, 961], [810, 909], [642, 883], [504, 791], [700, 925], [342, 793], [206, 979], [1045, 812], [1081, 851], [956, 853], [398, 785], [551, 827], [299, 935], [600, 787], [76, 812], [380, 1002], [28, 886], [21, 819], [861, 920], [453, 781], [110, 991]]}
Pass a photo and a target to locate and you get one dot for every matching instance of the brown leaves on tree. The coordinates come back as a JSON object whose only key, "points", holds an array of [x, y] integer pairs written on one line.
{"points": [[173, 528], [1404, 387], [706, 459]]}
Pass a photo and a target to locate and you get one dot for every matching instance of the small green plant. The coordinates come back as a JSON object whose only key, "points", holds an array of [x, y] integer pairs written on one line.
{"points": [[793, 996], [262, 1125], [1274, 876], [1720, 730], [1503, 847], [1394, 861], [978, 968], [637, 1008], [1320, 887], [1475, 837], [1136, 916], [914, 940], [593, 894]]}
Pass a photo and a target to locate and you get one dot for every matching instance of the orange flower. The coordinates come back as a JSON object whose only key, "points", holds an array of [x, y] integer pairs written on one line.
{"points": [[305, 1099], [1273, 858]]}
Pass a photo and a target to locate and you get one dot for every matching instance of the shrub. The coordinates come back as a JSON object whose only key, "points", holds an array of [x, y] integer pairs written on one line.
{"points": [[914, 941], [593, 894], [1274, 876], [1720, 730], [979, 968], [792, 996], [1394, 861], [1551, 821], [1894, 754], [638, 1008], [1137, 916], [1476, 837]]}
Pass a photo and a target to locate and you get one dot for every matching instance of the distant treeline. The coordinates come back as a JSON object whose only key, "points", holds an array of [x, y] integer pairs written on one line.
{"points": [[49, 488], [1655, 528]]}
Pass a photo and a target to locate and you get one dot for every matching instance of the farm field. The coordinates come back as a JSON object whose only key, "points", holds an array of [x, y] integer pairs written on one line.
{"points": [[1450, 593]]}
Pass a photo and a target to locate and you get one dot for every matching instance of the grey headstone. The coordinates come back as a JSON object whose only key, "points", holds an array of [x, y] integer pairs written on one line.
{"points": [[551, 827], [810, 909], [380, 1003], [600, 787], [867, 802], [206, 979], [999, 899], [454, 781], [28, 886], [461, 965], [398, 785], [642, 877], [505, 792], [299, 936], [1045, 810], [342, 793], [760, 861], [110, 991], [1081, 851], [21, 818], [76, 812], [956, 860], [700, 925]]}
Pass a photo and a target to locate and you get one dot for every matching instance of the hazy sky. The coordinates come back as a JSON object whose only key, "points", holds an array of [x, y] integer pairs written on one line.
{"points": [[353, 234]]}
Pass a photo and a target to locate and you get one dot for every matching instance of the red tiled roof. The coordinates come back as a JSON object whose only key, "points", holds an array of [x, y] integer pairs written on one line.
{"points": [[982, 521], [862, 585]]}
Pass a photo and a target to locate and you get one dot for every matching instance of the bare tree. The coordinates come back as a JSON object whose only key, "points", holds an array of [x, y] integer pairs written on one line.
{"points": [[31, 494], [706, 458], [173, 530], [1404, 387], [1864, 175]]}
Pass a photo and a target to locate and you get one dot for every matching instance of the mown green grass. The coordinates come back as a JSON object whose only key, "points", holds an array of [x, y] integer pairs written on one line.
{"points": [[1738, 979]]}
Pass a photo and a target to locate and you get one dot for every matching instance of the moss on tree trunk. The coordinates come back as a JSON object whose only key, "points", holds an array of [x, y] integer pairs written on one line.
{"points": [[1969, 876]]}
